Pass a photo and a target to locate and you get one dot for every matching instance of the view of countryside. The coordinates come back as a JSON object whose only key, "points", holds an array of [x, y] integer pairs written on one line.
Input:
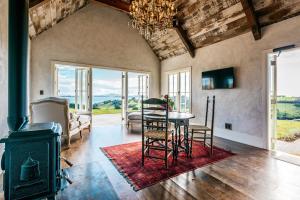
{"points": [[288, 102], [107, 89], [288, 118], [108, 104]]}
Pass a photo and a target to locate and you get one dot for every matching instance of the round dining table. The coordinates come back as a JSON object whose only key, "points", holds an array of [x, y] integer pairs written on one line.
{"points": [[179, 120]]}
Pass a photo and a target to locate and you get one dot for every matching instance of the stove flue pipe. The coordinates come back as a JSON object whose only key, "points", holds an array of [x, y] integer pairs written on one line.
{"points": [[17, 63]]}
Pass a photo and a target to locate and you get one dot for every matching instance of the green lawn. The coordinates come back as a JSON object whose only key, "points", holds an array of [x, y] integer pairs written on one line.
{"points": [[288, 111], [100, 111], [111, 106], [288, 130]]}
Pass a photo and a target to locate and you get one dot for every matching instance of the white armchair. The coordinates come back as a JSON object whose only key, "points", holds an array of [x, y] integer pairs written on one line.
{"points": [[55, 109]]}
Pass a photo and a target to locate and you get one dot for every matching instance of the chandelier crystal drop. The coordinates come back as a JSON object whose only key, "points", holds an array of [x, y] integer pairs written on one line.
{"points": [[149, 16]]}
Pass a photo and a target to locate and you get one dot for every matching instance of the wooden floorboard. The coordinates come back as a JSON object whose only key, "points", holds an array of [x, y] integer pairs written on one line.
{"points": [[252, 173], [175, 189], [89, 182]]}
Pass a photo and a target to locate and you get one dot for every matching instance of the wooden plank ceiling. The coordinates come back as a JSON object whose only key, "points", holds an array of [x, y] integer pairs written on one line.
{"points": [[202, 22], [44, 14]]}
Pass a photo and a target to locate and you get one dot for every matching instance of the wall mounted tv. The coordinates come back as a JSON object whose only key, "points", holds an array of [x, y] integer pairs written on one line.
{"points": [[218, 79]]}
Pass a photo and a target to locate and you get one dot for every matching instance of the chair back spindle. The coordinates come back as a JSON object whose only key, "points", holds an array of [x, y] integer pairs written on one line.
{"points": [[206, 112], [213, 114]]}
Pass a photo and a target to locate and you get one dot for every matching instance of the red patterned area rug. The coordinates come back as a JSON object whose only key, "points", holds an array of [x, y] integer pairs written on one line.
{"points": [[127, 159]]}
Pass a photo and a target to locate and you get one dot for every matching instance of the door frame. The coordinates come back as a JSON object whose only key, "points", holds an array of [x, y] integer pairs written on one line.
{"points": [[88, 90], [91, 67], [266, 97]]}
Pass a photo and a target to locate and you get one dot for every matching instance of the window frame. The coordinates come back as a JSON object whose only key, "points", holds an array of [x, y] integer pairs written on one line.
{"points": [[90, 66], [178, 72]]}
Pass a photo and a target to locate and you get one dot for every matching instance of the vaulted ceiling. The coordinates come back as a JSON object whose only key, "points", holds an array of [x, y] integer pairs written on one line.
{"points": [[199, 22]]}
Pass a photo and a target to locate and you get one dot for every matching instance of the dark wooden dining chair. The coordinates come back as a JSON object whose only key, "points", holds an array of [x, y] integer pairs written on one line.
{"points": [[202, 133], [156, 135]]}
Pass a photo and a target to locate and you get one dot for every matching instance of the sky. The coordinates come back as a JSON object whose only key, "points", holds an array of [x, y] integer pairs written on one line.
{"points": [[105, 82], [288, 73]]}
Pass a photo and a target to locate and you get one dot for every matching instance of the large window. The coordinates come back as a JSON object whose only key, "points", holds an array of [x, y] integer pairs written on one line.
{"points": [[72, 83], [179, 89], [173, 89], [185, 92]]}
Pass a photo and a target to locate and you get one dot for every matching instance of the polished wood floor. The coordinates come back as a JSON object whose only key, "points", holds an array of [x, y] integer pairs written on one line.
{"points": [[251, 174]]}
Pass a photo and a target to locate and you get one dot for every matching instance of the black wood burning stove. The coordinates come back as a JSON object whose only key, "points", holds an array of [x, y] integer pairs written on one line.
{"points": [[31, 161]]}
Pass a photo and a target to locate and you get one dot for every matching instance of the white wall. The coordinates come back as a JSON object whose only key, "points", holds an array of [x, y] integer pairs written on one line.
{"points": [[245, 106], [3, 69], [95, 35]]}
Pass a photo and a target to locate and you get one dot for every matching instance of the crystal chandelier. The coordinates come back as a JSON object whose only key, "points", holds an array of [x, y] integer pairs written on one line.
{"points": [[149, 16]]}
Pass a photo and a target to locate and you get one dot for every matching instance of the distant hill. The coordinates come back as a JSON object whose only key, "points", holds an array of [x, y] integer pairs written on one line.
{"points": [[285, 99]]}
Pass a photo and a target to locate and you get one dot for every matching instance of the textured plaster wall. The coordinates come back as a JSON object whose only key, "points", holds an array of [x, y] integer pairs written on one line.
{"points": [[95, 35], [245, 106], [3, 68]]}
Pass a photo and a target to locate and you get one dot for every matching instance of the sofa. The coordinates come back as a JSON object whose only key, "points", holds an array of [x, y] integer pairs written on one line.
{"points": [[54, 109]]}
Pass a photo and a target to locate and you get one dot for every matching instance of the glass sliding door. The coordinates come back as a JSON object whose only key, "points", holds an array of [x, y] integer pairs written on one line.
{"points": [[143, 86], [124, 96], [138, 86], [65, 86], [106, 94], [82, 88], [72, 83]]}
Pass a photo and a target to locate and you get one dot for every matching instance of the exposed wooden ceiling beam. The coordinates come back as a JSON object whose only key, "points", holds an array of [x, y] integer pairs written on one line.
{"points": [[118, 4], [33, 3], [252, 18], [183, 36]]}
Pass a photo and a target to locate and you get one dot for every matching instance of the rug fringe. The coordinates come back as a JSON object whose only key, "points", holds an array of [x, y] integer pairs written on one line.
{"points": [[121, 171]]}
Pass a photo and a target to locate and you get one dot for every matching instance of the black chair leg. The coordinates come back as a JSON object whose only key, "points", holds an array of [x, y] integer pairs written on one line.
{"points": [[166, 154], [176, 143], [186, 141], [191, 147], [143, 149], [147, 146], [211, 145], [173, 147], [204, 142]]}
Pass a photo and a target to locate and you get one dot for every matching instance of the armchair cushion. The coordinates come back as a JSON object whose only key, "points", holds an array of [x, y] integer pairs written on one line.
{"points": [[74, 124], [84, 119]]}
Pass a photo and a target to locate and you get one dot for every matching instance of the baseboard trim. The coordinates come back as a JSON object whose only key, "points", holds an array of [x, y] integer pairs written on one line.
{"points": [[240, 137]]}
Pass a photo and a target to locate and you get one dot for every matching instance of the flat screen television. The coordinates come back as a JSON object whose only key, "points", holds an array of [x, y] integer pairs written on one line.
{"points": [[218, 79]]}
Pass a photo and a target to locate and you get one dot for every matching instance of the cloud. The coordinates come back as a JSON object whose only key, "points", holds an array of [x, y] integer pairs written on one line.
{"points": [[105, 87]]}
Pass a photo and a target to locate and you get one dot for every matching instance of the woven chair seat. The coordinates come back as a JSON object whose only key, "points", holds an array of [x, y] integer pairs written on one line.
{"points": [[197, 127], [155, 134]]}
